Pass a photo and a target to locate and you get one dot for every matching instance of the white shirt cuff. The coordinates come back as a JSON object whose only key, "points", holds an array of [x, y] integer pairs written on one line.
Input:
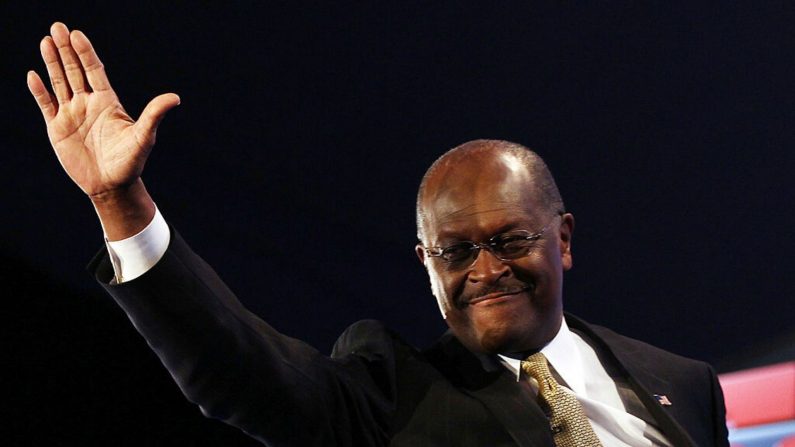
{"points": [[134, 256]]}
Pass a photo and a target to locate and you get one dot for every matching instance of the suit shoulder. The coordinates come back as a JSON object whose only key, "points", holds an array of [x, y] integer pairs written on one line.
{"points": [[368, 338], [626, 347]]}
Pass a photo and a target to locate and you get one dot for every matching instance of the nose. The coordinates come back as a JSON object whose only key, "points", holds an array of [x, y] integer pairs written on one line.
{"points": [[487, 267]]}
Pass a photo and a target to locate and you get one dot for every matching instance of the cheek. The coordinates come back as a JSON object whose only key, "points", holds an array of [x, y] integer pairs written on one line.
{"points": [[443, 287], [539, 267], [438, 290]]}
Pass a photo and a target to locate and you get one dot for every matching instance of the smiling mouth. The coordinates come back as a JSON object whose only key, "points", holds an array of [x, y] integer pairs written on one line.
{"points": [[502, 296]]}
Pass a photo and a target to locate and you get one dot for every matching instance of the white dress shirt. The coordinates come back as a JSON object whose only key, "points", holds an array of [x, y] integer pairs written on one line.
{"points": [[134, 256], [568, 354]]}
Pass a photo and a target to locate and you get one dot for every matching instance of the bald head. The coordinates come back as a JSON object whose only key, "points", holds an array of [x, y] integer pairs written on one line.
{"points": [[488, 156]]}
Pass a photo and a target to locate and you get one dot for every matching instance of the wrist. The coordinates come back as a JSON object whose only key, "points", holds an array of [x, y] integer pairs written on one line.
{"points": [[124, 211], [118, 193]]}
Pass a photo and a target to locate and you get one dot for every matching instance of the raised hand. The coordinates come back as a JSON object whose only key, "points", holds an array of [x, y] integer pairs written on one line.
{"points": [[96, 141], [98, 144]]}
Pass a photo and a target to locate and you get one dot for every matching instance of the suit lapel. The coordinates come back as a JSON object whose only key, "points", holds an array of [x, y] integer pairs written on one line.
{"points": [[639, 375], [483, 378], [518, 413]]}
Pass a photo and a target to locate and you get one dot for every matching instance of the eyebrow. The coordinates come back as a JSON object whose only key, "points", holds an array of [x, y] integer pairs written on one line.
{"points": [[454, 235]]}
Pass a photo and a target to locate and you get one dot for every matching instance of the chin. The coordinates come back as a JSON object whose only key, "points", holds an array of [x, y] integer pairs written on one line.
{"points": [[504, 328], [499, 340], [505, 337], [495, 339], [494, 343]]}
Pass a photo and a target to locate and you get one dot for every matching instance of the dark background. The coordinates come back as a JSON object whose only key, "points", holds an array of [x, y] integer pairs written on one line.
{"points": [[293, 161]]}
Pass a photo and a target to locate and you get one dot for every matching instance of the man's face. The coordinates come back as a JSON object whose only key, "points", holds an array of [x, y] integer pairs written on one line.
{"points": [[491, 305]]}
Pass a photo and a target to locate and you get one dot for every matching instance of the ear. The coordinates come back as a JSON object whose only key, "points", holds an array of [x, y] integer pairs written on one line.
{"points": [[420, 250], [564, 240]]}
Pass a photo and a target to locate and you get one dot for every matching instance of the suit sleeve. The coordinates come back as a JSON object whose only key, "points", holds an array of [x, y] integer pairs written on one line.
{"points": [[238, 369], [720, 431]]}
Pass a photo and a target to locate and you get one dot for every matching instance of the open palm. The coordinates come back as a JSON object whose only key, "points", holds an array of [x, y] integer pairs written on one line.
{"points": [[98, 144]]}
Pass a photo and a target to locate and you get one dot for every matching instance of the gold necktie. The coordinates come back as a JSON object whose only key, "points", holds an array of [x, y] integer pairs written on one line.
{"points": [[570, 426]]}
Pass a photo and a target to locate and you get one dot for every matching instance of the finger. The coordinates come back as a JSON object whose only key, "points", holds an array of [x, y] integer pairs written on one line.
{"points": [[146, 126], [92, 66], [69, 60], [54, 69], [44, 99]]}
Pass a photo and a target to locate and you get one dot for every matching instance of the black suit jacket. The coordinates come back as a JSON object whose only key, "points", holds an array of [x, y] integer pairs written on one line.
{"points": [[374, 389]]}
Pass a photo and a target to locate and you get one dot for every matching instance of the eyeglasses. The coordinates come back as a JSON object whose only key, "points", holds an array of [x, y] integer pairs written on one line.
{"points": [[504, 246]]}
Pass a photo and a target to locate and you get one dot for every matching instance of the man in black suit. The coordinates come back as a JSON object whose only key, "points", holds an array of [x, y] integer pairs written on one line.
{"points": [[495, 240]]}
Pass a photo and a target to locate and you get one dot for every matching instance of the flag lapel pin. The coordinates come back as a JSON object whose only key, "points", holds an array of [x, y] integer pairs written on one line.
{"points": [[663, 400]]}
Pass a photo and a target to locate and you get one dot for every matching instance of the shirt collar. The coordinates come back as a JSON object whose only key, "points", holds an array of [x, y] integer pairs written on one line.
{"points": [[562, 353]]}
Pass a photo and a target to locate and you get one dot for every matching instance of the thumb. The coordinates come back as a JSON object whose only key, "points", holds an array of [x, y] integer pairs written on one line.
{"points": [[146, 126]]}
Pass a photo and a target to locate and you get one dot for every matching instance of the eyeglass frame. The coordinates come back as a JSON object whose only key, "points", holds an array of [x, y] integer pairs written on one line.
{"points": [[489, 245]]}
